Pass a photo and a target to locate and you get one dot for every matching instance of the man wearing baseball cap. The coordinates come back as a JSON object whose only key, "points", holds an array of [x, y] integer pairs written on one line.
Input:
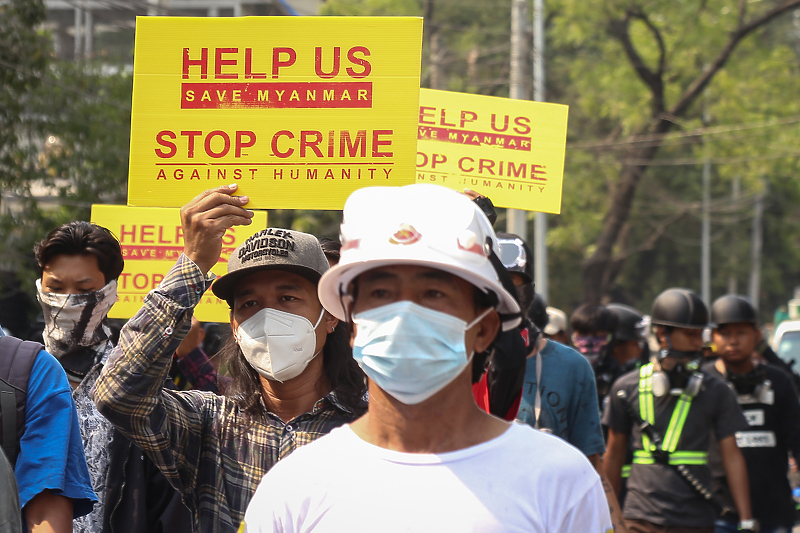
{"points": [[293, 377], [417, 281]]}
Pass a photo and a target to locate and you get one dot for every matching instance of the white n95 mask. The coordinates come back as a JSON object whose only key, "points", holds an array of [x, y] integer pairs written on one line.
{"points": [[410, 351], [278, 345]]}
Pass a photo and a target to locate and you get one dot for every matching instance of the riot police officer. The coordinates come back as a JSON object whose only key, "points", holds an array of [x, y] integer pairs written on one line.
{"points": [[668, 409], [772, 410]]}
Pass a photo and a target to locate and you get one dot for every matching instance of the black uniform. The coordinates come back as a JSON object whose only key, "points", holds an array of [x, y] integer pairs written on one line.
{"points": [[774, 430], [656, 492]]}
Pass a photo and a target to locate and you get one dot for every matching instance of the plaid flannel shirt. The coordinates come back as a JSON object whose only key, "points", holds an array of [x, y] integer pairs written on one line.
{"points": [[197, 371], [195, 437]]}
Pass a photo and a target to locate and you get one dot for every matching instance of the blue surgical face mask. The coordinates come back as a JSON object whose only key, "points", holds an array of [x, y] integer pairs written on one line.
{"points": [[410, 351]]}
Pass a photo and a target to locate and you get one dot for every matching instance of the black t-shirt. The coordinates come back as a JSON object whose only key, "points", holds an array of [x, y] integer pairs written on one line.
{"points": [[774, 429], [657, 493]]}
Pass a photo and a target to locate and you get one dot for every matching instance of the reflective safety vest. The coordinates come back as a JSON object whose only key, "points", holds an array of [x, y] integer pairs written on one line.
{"points": [[674, 429]]}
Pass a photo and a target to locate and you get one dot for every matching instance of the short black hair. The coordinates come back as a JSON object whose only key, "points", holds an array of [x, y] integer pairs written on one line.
{"points": [[331, 248], [82, 238], [590, 318]]}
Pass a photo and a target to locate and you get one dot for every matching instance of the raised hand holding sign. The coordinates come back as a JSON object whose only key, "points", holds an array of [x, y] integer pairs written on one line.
{"points": [[206, 219]]}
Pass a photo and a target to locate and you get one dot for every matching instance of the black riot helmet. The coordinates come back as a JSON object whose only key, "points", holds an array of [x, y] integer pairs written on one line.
{"points": [[733, 308], [537, 312], [679, 308], [631, 324]]}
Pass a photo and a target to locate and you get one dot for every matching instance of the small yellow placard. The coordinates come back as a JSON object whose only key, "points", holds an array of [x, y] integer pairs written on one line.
{"points": [[152, 240], [509, 150], [299, 111]]}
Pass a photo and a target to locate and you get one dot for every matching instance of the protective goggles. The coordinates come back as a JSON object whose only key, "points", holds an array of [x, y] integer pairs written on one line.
{"points": [[512, 253]]}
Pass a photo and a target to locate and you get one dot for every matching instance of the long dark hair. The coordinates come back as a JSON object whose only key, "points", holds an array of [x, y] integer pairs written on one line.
{"points": [[344, 375]]}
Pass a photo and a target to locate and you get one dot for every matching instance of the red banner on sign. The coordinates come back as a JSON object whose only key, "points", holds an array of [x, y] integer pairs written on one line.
{"points": [[297, 95]]}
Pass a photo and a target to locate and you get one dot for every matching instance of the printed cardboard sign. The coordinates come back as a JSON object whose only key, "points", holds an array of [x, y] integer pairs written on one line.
{"points": [[299, 111], [509, 150], [152, 240]]}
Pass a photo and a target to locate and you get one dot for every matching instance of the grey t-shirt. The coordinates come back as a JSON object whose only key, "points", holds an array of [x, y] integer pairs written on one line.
{"points": [[10, 515], [657, 493]]}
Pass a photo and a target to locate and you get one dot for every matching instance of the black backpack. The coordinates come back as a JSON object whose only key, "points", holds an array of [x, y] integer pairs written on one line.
{"points": [[16, 361]]}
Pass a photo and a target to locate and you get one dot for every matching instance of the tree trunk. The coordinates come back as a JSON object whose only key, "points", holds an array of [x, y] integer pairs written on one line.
{"points": [[601, 269]]}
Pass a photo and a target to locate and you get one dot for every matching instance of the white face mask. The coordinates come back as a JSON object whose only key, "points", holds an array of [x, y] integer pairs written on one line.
{"points": [[278, 345], [74, 321], [410, 351]]}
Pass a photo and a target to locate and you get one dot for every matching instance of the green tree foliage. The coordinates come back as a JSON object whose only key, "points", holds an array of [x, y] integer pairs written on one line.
{"points": [[657, 85], [76, 129], [23, 58], [64, 130], [647, 69]]}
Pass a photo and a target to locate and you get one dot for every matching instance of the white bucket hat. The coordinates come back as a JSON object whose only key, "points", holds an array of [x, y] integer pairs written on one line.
{"points": [[420, 224]]}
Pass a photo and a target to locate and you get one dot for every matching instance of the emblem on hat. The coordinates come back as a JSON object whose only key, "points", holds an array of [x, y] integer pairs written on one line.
{"points": [[349, 244], [405, 235], [467, 241]]}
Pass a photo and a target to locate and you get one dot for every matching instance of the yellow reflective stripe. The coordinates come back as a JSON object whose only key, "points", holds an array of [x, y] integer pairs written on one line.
{"points": [[646, 408], [626, 471], [676, 422], [688, 458], [647, 412], [641, 457], [649, 407]]}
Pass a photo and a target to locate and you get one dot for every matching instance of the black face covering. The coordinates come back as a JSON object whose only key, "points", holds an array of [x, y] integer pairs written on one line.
{"points": [[682, 371], [525, 294], [78, 362], [678, 376], [747, 383]]}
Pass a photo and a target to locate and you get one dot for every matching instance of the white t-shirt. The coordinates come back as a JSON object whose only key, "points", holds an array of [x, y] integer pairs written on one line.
{"points": [[521, 481]]}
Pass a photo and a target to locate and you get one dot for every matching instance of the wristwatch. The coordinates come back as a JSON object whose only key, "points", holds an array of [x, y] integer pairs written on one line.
{"points": [[749, 525]]}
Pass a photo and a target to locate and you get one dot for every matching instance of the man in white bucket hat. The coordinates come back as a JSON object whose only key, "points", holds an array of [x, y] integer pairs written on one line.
{"points": [[417, 283]]}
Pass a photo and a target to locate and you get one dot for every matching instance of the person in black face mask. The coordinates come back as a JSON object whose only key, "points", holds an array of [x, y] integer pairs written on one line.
{"points": [[668, 410], [771, 407], [498, 373], [593, 329], [548, 385]]}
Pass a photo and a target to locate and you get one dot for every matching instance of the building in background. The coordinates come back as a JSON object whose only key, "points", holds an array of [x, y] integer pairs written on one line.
{"points": [[105, 28]]}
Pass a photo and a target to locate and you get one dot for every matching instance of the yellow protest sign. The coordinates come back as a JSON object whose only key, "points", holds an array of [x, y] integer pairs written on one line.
{"points": [[509, 150], [299, 111], [152, 240]]}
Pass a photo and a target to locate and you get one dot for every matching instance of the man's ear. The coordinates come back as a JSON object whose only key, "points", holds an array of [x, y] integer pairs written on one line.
{"points": [[661, 335], [487, 330], [758, 334], [234, 324]]}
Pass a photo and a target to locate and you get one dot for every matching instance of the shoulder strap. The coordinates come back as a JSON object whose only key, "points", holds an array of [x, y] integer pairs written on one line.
{"points": [[537, 406], [646, 408], [647, 412], [16, 362]]}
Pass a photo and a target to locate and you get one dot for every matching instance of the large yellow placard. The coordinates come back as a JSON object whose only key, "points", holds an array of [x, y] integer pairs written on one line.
{"points": [[509, 150], [299, 111], [152, 240]]}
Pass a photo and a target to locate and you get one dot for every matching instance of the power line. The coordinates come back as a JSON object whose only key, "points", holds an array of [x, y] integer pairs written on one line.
{"points": [[659, 139], [713, 160]]}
